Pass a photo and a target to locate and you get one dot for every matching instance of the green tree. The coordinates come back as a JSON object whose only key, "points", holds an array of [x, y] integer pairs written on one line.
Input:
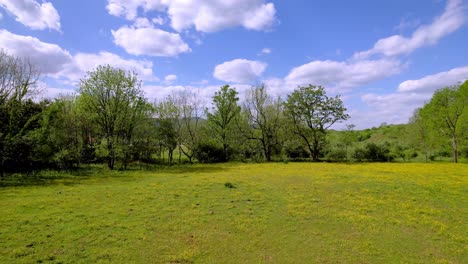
{"points": [[349, 138], [221, 119], [168, 125], [311, 112], [116, 98], [444, 113]]}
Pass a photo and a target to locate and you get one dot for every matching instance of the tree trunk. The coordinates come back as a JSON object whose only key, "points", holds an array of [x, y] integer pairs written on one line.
{"points": [[225, 150], [454, 147], [2, 171]]}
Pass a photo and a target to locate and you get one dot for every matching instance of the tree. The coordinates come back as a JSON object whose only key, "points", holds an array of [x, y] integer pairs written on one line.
{"points": [[311, 113], [18, 82], [349, 137], [221, 119], [419, 123], [116, 98], [168, 125], [263, 115], [191, 111], [444, 113]]}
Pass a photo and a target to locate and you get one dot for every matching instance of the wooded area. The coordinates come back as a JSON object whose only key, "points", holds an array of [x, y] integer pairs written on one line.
{"points": [[110, 121]]}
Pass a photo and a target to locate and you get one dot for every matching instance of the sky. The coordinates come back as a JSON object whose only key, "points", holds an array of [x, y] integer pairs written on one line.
{"points": [[384, 58]]}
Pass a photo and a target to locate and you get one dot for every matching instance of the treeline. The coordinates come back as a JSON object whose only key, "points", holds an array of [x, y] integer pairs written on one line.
{"points": [[110, 121]]}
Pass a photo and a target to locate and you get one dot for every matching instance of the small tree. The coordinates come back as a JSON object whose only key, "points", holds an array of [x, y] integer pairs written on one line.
{"points": [[349, 138], [311, 112]]}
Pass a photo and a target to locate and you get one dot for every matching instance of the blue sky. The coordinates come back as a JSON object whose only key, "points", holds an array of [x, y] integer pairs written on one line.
{"points": [[385, 58]]}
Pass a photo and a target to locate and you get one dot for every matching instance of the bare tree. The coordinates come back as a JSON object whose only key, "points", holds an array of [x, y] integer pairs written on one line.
{"points": [[264, 117]]}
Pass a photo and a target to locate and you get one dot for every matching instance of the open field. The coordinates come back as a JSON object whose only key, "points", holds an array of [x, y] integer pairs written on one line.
{"points": [[277, 213]]}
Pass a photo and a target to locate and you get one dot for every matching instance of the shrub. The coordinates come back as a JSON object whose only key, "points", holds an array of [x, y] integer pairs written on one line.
{"points": [[209, 153], [297, 152], [336, 154], [373, 152]]}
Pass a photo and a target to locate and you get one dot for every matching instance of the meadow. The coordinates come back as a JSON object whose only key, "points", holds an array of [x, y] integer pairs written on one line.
{"points": [[240, 213]]}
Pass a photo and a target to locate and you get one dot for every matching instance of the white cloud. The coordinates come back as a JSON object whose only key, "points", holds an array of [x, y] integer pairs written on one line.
{"points": [[451, 20], [53, 61], [129, 8], [48, 58], [205, 16], [430, 83], [266, 51], [33, 14], [149, 41], [394, 108], [84, 62], [239, 71], [142, 22], [343, 74], [170, 78], [204, 93]]}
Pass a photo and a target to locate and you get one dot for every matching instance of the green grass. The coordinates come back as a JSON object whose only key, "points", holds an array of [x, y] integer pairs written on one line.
{"points": [[274, 213]]}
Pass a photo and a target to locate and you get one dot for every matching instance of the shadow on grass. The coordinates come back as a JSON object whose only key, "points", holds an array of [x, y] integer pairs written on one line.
{"points": [[89, 172]]}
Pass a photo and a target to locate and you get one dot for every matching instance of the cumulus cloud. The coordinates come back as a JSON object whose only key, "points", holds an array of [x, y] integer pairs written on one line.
{"points": [[204, 16], [149, 41], [170, 78], [129, 8], [239, 71], [346, 74], [53, 61], [84, 62], [33, 14], [430, 83], [393, 108], [451, 20], [398, 107], [48, 58]]}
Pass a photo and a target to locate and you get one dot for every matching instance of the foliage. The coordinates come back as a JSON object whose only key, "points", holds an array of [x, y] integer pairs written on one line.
{"points": [[222, 117], [373, 152], [311, 113], [206, 152], [116, 98]]}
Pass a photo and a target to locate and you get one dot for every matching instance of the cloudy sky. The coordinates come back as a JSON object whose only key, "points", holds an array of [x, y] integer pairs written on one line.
{"points": [[385, 58]]}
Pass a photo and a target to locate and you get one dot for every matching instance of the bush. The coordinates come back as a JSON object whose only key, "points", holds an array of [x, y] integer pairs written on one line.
{"points": [[297, 152], [373, 152], [337, 154], [209, 153]]}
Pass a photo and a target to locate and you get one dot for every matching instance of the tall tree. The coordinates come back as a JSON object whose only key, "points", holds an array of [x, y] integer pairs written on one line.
{"points": [[263, 115], [221, 119], [444, 113], [115, 96], [311, 113]]}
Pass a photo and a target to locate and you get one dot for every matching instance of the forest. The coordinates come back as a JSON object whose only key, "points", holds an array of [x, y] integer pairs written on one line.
{"points": [[109, 121]]}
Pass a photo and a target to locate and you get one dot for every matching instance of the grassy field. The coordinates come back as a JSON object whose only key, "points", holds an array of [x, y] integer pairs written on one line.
{"points": [[276, 213]]}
